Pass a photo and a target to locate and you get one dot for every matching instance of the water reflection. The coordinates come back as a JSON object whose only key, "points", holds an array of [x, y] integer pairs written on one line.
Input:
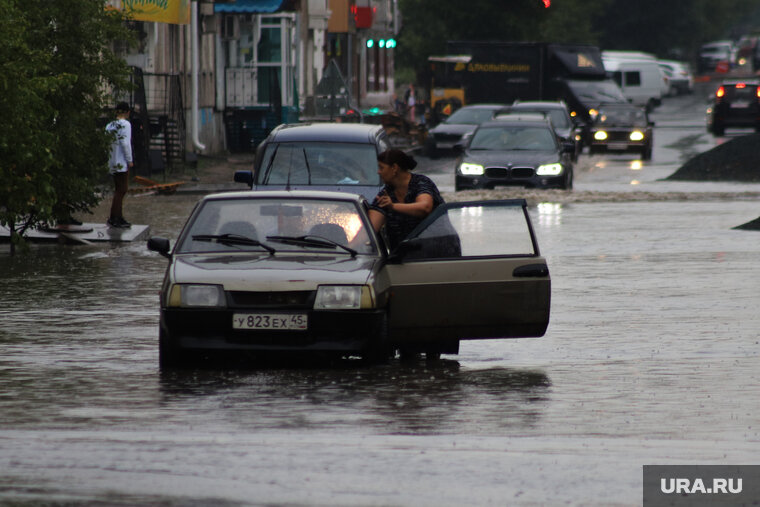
{"points": [[415, 398]]}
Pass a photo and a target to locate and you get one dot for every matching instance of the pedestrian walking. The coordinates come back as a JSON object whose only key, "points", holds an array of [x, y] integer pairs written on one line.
{"points": [[410, 99], [119, 163]]}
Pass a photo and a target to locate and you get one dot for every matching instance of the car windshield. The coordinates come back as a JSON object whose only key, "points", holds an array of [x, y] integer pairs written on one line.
{"points": [[514, 138], [470, 116], [283, 225], [319, 163], [621, 116], [558, 117], [593, 93]]}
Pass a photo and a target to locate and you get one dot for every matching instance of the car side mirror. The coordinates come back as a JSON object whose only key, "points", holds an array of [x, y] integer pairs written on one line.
{"points": [[160, 245], [458, 148], [244, 177], [403, 249], [568, 147]]}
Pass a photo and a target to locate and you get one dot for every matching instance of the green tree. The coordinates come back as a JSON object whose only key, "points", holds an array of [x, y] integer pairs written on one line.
{"points": [[57, 74]]}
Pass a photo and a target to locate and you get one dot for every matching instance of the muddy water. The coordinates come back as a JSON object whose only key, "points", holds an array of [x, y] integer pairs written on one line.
{"points": [[650, 358]]}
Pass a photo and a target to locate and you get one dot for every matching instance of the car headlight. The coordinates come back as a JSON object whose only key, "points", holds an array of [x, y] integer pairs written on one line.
{"points": [[467, 168], [636, 135], [600, 135], [196, 295], [549, 169], [343, 297]]}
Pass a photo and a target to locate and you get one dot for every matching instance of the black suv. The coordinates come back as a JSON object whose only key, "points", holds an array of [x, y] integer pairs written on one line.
{"points": [[736, 104], [319, 156]]}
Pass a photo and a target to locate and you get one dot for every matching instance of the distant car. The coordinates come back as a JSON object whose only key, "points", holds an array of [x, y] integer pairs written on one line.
{"points": [[567, 130], [622, 128], [515, 152], [319, 156], [736, 103], [303, 272], [464, 121], [680, 77], [713, 53]]}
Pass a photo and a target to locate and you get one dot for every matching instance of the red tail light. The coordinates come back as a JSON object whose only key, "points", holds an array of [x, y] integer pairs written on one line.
{"points": [[741, 85], [721, 92], [758, 92]]}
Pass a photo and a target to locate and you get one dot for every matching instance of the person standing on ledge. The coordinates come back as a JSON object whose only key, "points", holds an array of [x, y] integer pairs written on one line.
{"points": [[119, 163]]}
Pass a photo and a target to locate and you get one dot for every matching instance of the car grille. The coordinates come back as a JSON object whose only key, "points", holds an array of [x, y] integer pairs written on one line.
{"points": [[505, 173], [619, 137], [291, 299]]}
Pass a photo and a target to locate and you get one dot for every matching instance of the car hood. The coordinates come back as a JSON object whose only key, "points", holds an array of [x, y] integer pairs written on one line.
{"points": [[456, 128], [263, 272], [513, 157]]}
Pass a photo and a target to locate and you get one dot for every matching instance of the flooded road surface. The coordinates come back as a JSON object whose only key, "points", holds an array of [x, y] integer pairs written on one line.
{"points": [[650, 358]]}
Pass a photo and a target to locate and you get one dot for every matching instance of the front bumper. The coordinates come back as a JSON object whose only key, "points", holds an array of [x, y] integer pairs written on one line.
{"points": [[211, 329]]}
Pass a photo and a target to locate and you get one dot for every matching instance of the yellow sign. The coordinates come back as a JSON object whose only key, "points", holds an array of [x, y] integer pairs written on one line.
{"points": [[176, 12]]}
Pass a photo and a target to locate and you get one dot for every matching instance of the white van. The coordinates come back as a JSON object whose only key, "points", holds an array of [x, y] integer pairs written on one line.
{"points": [[639, 76]]}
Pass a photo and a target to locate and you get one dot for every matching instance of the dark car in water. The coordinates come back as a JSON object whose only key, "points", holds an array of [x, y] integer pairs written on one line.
{"points": [[736, 103], [303, 273], [515, 150], [457, 127], [319, 156], [622, 128]]}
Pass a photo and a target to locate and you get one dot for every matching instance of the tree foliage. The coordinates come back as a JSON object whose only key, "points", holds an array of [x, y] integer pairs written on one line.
{"points": [[57, 72], [672, 29]]}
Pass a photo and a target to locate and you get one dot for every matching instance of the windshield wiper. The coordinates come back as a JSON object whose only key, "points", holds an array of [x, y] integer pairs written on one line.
{"points": [[311, 241], [233, 239]]}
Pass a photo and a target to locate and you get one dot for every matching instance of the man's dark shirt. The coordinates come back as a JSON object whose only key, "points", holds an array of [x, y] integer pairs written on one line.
{"points": [[399, 225]]}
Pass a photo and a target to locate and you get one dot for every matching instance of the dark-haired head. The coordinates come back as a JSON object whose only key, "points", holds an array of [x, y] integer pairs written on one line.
{"points": [[393, 156], [122, 107]]}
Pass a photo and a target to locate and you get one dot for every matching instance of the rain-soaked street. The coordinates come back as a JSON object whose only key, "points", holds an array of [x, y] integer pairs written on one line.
{"points": [[650, 358]]}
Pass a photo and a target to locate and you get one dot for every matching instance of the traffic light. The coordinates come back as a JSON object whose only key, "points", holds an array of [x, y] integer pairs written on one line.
{"points": [[381, 43]]}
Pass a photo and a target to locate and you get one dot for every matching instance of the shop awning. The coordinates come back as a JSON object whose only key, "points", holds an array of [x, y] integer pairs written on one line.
{"points": [[249, 6]]}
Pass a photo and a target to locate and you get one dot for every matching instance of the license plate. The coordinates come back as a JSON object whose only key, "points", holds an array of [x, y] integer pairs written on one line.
{"points": [[270, 321], [739, 104], [617, 146], [444, 145]]}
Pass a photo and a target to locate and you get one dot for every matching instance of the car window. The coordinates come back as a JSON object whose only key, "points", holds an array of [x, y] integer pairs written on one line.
{"points": [[319, 163], [621, 116], [513, 138], [477, 229], [559, 118], [258, 218], [472, 116]]}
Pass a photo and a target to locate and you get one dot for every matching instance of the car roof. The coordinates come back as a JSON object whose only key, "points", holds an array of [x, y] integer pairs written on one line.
{"points": [[521, 117], [285, 194], [483, 106], [325, 132], [544, 104], [524, 122]]}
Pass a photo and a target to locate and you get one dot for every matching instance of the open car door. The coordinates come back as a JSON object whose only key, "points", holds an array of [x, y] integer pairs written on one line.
{"points": [[471, 270]]}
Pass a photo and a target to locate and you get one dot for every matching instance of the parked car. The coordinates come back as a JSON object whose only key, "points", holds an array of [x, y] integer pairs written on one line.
{"points": [[713, 53], [680, 76], [622, 128], [736, 103], [564, 126], [319, 156], [304, 272], [464, 121], [515, 152]]}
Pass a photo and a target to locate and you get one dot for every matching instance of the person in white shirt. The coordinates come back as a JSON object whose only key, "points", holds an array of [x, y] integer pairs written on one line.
{"points": [[119, 162]]}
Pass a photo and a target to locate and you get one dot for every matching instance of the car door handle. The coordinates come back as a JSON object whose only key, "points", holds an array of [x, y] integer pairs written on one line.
{"points": [[532, 271]]}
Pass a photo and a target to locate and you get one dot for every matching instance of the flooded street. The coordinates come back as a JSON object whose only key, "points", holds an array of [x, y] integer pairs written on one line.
{"points": [[650, 358]]}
